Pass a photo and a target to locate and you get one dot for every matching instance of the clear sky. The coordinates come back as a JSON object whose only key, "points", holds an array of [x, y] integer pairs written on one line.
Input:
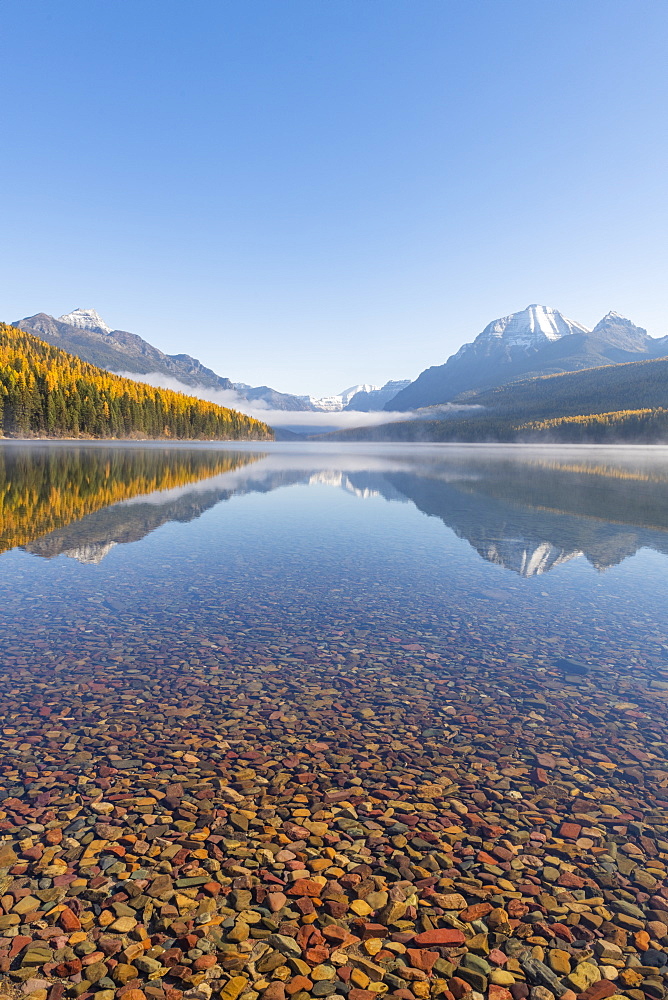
{"points": [[314, 193]]}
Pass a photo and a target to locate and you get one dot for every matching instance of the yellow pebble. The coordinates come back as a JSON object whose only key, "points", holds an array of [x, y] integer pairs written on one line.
{"points": [[361, 908], [373, 946]]}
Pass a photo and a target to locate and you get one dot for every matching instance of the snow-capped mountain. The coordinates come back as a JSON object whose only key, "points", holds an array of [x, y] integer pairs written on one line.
{"points": [[84, 333], [85, 319], [332, 404], [529, 328], [537, 340], [375, 399]]}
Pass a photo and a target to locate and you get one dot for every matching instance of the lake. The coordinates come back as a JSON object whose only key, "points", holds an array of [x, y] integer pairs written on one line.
{"points": [[322, 691]]}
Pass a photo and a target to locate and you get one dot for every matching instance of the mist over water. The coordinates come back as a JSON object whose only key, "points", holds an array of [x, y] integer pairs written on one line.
{"points": [[299, 421]]}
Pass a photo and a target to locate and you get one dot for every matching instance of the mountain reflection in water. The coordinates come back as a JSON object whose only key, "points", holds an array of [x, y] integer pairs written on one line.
{"points": [[526, 511]]}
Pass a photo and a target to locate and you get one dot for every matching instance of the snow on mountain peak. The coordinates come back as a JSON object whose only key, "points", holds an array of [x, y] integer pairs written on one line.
{"points": [[532, 325], [85, 319], [332, 404], [348, 394], [615, 317]]}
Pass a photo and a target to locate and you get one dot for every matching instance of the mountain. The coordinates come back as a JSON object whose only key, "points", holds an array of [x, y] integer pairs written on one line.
{"points": [[376, 399], [625, 402], [274, 400], [333, 404], [84, 333], [536, 341], [617, 331], [361, 398]]}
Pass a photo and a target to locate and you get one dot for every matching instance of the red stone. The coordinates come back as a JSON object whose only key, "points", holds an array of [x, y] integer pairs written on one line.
{"points": [[441, 935], [213, 888], [495, 992], [571, 831], [18, 944], [459, 987], [374, 931], [475, 912], [204, 962], [317, 955], [305, 905], [568, 880], [275, 991], [485, 858], [339, 935], [69, 920], [95, 956], [599, 991], [305, 887], [421, 958], [336, 909], [298, 983], [562, 931]]}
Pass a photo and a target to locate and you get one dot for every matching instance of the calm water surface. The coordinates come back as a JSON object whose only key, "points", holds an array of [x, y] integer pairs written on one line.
{"points": [[487, 554], [434, 653]]}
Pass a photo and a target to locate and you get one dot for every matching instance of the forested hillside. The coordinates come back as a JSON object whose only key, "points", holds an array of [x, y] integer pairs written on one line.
{"points": [[45, 392], [635, 385], [647, 426]]}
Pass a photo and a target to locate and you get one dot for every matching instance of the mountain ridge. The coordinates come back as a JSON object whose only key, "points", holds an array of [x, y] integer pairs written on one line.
{"points": [[85, 334], [119, 351], [536, 341]]}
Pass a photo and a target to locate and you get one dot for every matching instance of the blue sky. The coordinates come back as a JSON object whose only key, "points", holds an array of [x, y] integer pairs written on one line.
{"points": [[314, 193]]}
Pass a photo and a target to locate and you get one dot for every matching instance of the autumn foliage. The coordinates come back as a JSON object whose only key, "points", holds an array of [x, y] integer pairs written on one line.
{"points": [[649, 426], [46, 392]]}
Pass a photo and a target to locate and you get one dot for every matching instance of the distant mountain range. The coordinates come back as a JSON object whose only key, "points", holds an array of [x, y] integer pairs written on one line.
{"points": [[84, 333], [368, 399], [501, 370], [536, 341]]}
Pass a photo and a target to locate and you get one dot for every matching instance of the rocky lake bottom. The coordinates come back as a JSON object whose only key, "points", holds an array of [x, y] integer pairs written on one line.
{"points": [[353, 723]]}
